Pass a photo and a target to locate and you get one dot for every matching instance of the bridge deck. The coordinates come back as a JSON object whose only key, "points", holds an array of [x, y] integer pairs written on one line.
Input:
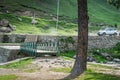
{"points": [[11, 47], [45, 51]]}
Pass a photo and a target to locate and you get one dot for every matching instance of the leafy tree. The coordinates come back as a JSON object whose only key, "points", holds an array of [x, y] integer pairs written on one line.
{"points": [[115, 3]]}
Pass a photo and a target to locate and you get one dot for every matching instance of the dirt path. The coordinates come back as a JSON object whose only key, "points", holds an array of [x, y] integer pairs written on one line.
{"points": [[44, 73], [43, 68]]}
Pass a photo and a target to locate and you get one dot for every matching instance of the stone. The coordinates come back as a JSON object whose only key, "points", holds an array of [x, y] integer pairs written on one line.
{"points": [[13, 28], [46, 60], [107, 56], [20, 19], [116, 60], [74, 56], [7, 54], [27, 13], [90, 59], [34, 21], [5, 30], [110, 62], [4, 22], [7, 12], [5, 27]]}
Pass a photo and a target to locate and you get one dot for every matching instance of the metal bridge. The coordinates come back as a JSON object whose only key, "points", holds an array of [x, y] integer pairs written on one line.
{"points": [[33, 48]]}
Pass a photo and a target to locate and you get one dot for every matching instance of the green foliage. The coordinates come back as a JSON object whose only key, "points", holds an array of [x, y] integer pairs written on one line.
{"points": [[8, 77], [97, 56], [115, 3], [68, 54], [117, 47], [115, 51], [66, 42], [18, 65]]}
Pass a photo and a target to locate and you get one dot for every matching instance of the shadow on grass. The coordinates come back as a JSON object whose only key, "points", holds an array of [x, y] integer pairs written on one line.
{"points": [[90, 74], [99, 76]]}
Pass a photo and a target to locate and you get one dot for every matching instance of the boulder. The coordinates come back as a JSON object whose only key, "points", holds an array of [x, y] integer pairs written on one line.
{"points": [[20, 19], [116, 60], [13, 28], [74, 56], [90, 59], [5, 29], [107, 56], [34, 21], [27, 13], [4, 22]]}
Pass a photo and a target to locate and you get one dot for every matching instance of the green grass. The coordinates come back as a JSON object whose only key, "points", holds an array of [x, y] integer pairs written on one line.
{"points": [[8, 77], [18, 65], [68, 54], [44, 26], [101, 66], [98, 76], [65, 70], [99, 58], [99, 12], [90, 74]]}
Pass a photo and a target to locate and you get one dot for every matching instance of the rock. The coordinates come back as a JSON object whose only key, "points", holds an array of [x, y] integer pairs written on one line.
{"points": [[50, 66], [4, 22], [7, 12], [34, 21], [46, 60], [54, 19], [13, 28], [20, 19], [109, 62], [107, 56], [5, 30], [116, 60], [47, 27], [90, 59], [27, 13], [6, 27], [74, 56]]}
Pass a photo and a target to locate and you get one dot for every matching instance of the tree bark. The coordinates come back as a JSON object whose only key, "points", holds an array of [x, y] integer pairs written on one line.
{"points": [[82, 46]]}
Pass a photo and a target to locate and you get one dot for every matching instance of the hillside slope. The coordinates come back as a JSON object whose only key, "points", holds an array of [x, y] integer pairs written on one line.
{"points": [[45, 12]]}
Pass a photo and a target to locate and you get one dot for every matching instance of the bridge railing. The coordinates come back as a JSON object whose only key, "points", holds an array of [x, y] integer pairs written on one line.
{"points": [[28, 47], [48, 46], [32, 47]]}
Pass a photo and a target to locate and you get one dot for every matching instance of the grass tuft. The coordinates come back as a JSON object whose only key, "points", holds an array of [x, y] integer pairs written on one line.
{"points": [[8, 77], [18, 65]]}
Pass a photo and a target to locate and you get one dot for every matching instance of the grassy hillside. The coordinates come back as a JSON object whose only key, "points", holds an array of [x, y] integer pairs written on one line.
{"points": [[44, 26], [99, 12]]}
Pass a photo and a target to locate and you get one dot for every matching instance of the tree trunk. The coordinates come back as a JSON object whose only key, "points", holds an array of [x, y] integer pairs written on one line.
{"points": [[82, 46]]}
